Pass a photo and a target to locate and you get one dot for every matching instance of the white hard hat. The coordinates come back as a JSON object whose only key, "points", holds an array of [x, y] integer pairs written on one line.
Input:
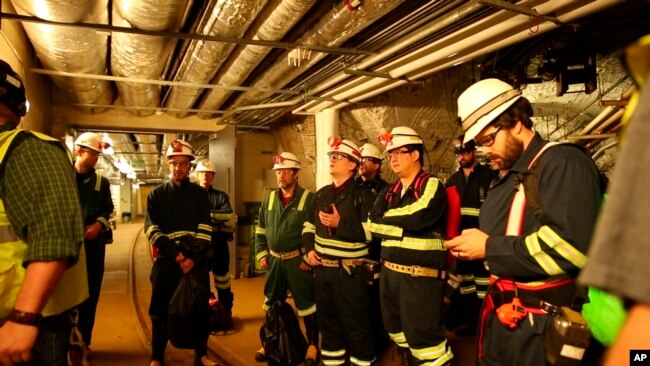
{"points": [[400, 136], [369, 150], [180, 148], [482, 103], [205, 165], [92, 141], [346, 147], [286, 160]]}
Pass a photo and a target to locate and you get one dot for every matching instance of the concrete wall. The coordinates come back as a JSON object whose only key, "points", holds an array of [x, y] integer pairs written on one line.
{"points": [[16, 50]]}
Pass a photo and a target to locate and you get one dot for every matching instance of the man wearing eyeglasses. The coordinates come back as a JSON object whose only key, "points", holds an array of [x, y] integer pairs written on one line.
{"points": [[409, 217], [97, 206], [533, 257], [175, 210], [337, 240], [280, 250], [472, 181]]}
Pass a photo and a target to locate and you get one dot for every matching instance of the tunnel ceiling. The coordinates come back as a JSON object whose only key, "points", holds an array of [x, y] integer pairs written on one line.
{"points": [[248, 63]]}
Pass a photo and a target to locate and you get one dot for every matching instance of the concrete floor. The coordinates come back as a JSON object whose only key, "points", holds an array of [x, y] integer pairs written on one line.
{"points": [[122, 329]]}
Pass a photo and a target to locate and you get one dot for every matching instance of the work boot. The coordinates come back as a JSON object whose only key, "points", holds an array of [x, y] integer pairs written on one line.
{"points": [[155, 363], [260, 356], [312, 356]]}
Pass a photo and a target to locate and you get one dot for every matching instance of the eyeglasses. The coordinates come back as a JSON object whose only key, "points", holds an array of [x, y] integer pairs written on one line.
{"points": [[337, 157], [284, 172], [370, 160], [488, 140], [90, 151], [182, 164], [397, 153]]}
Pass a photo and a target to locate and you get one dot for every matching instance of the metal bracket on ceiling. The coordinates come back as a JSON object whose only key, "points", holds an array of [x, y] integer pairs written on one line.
{"points": [[519, 9]]}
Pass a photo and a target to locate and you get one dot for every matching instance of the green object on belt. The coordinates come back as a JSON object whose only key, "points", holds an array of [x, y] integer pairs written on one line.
{"points": [[605, 315]]}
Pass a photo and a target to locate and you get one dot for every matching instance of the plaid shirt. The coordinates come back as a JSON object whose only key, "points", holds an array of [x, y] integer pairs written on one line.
{"points": [[38, 190]]}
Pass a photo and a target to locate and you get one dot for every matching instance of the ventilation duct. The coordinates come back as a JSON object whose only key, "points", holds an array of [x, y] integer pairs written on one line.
{"points": [[139, 56], [228, 18], [337, 26], [283, 16], [71, 49]]}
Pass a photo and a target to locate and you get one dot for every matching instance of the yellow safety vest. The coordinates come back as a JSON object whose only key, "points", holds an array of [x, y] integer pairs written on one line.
{"points": [[73, 287]]}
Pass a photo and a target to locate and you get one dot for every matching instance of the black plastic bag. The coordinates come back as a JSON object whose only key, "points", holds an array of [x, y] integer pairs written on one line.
{"points": [[188, 320], [281, 336]]}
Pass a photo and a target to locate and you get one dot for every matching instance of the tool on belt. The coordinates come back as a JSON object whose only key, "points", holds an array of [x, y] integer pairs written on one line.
{"points": [[566, 337], [369, 269]]}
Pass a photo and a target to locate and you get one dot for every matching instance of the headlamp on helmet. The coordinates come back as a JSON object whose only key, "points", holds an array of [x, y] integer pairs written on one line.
{"points": [[180, 148], [344, 146], [92, 141], [285, 160], [398, 137], [460, 148]]}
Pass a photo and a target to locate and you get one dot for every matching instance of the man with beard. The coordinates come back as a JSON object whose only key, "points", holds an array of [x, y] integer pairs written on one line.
{"points": [[220, 213], [175, 210], [96, 206], [336, 238], [369, 174], [472, 180], [533, 258], [280, 251]]}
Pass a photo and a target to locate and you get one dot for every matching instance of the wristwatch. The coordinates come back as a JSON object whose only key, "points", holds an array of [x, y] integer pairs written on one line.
{"points": [[25, 318]]}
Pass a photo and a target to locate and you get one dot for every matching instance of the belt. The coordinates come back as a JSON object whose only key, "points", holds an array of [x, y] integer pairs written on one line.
{"points": [[415, 271], [337, 262], [287, 255]]}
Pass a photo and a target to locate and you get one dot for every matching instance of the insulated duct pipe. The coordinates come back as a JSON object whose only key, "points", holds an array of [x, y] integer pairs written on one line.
{"points": [[228, 18], [71, 49], [490, 34], [336, 27], [284, 14], [437, 23], [139, 56]]}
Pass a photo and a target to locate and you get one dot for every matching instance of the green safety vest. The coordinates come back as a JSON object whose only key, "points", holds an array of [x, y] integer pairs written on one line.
{"points": [[73, 287]]}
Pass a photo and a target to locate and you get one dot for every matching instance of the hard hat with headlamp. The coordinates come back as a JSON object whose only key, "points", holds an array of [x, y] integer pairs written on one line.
{"points": [[484, 101], [91, 141], [205, 165], [180, 148], [345, 146], [460, 148], [12, 90], [400, 136], [286, 160], [369, 150]]}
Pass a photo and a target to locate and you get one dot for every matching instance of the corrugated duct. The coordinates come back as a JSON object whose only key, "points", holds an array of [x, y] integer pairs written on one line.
{"points": [[139, 56], [71, 49], [149, 153], [229, 18], [279, 17], [332, 30]]}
